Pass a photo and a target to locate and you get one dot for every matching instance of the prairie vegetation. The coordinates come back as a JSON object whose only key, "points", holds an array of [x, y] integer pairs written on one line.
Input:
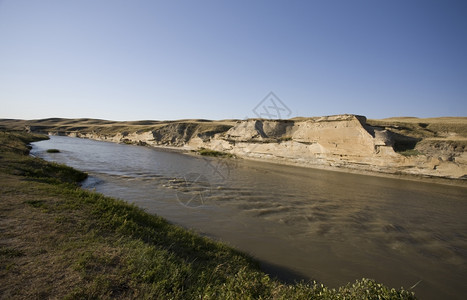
{"points": [[427, 136], [60, 241]]}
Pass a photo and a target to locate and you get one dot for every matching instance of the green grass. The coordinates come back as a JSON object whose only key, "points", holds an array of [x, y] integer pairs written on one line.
{"points": [[214, 153], [53, 151], [84, 245], [410, 152], [15, 160]]}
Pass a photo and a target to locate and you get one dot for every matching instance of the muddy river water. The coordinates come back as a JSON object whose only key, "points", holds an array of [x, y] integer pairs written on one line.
{"points": [[300, 223]]}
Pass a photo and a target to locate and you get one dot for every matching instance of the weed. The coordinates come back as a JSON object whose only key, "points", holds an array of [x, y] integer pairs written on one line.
{"points": [[410, 152], [214, 153]]}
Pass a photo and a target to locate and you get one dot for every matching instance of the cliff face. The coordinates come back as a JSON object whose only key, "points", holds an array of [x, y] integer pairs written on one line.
{"points": [[342, 141]]}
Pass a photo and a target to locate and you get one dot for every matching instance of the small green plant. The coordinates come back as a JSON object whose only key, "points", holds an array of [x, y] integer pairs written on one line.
{"points": [[53, 151], [214, 153], [410, 152]]}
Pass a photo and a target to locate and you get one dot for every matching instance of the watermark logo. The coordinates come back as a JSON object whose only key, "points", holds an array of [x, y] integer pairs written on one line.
{"points": [[271, 107], [220, 167], [193, 190]]}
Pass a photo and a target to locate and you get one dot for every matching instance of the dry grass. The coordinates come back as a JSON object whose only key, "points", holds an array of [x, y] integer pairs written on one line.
{"points": [[41, 270], [435, 137], [447, 127]]}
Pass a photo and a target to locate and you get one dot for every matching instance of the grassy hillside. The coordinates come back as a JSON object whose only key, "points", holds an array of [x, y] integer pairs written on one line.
{"points": [[59, 241], [447, 127], [436, 137], [111, 127], [453, 127]]}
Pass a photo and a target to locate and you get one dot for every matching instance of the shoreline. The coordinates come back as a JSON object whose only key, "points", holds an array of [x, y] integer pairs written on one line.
{"points": [[427, 150], [400, 176], [409, 177]]}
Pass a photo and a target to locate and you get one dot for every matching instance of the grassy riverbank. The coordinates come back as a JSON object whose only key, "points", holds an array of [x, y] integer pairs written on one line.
{"points": [[59, 241]]}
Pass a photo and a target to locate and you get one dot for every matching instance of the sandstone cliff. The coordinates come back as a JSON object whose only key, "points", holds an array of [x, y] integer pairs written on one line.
{"points": [[333, 142]]}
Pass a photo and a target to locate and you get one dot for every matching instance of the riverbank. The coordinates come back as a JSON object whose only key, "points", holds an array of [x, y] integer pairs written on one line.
{"points": [[430, 150], [61, 241]]}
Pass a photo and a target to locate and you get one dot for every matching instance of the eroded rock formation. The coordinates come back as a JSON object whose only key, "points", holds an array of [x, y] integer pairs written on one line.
{"points": [[341, 141]]}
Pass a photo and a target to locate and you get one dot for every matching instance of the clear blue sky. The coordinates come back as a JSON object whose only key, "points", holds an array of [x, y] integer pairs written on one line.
{"points": [[130, 60]]}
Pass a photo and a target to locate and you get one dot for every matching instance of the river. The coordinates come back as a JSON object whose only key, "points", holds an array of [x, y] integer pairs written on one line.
{"points": [[301, 223]]}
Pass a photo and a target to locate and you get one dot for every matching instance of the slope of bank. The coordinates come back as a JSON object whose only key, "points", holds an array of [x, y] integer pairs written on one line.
{"points": [[59, 241], [410, 146]]}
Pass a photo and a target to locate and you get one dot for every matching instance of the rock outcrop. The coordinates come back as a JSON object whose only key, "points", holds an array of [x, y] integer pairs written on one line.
{"points": [[343, 141], [332, 142]]}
